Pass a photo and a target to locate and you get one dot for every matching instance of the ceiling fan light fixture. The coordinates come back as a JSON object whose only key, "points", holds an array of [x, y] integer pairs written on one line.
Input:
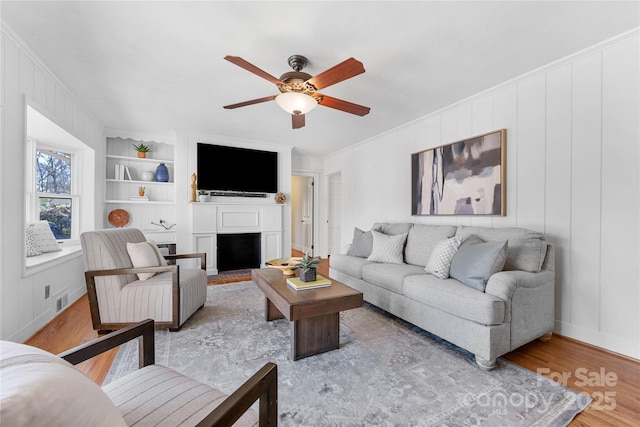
{"points": [[296, 103]]}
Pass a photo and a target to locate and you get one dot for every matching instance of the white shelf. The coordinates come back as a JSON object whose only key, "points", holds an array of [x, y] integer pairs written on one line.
{"points": [[127, 181], [139, 159], [141, 202], [161, 196]]}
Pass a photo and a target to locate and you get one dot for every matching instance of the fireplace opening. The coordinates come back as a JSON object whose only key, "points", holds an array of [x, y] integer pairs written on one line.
{"points": [[238, 251]]}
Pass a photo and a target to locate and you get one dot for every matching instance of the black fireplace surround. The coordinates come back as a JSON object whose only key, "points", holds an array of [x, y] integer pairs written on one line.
{"points": [[238, 251]]}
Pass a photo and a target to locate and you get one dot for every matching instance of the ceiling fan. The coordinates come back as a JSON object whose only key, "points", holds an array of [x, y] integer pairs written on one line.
{"points": [[298, 90]]}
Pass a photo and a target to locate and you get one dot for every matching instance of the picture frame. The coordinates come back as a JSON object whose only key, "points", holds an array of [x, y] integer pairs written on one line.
{"points": [[466, 177]]}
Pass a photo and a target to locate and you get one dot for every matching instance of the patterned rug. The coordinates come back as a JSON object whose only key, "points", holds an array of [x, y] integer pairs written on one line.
{"points": [[386, 372]]}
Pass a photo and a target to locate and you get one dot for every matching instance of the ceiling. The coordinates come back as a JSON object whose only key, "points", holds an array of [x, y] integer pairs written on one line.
{"points": [[157, 66]]}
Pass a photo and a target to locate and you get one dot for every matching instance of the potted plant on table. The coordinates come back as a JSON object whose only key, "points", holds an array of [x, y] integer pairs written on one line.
{"points": [[203, 195], [307, 266], [142, 150]]}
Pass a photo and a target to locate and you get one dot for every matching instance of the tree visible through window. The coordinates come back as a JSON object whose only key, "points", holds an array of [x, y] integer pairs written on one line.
{"points": [[53, 185]]}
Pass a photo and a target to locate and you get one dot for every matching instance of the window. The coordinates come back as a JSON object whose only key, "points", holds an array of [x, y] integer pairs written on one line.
{"points": [[60, 179], [54, 190]]}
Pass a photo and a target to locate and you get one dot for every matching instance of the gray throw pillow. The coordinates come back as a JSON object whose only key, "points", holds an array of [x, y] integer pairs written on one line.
{"points": [[387, 249], [361, 244], [475, 262]]}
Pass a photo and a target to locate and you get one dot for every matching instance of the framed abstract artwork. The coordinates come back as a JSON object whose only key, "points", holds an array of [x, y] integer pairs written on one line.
{"points": [[461, 178]]}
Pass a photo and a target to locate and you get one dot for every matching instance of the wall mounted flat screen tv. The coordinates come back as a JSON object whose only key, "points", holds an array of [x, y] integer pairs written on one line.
{"points": [[222, 168]]}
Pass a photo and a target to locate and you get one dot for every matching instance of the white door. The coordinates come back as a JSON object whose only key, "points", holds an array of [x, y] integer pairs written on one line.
{"points": [[307, 216], [333, 214]]}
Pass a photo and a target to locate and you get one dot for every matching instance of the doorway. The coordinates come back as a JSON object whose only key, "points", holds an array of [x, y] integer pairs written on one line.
{"points": [[302, 215], [334, 213]]}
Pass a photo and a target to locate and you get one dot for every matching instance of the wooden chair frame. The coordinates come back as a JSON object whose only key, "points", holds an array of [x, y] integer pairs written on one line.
{"points": [[174, 325], [262, 386]]}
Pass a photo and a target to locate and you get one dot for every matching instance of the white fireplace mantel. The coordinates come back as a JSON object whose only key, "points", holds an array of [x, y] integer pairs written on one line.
{"points": [[209, 219]]}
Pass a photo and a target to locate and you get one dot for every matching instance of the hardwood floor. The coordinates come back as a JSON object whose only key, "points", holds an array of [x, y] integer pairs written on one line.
{"points": [[612, 380]]}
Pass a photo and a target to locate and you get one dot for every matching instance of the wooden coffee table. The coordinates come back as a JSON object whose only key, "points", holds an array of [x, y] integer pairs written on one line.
{"points": [[314, 313]]}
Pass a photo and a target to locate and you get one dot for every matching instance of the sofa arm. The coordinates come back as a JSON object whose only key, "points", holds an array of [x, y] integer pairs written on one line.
{"points": [[504, 283], [526, 296]]}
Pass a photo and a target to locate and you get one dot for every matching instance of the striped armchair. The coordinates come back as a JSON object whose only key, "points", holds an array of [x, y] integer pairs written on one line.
{"points": [[118, 298]]}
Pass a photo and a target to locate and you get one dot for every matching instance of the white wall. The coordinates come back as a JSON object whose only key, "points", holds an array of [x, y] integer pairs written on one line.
{"points": [[24, 309], [572, 172]]}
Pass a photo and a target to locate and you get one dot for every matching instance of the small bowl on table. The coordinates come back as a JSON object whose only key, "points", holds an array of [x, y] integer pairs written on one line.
{"points": [[286, 265]]}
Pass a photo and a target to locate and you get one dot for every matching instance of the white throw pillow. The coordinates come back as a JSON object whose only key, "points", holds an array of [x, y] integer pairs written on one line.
{"points": [[43, 237], [387, 248], [145, 254], [476, 261], [30, 242], [40, 389], [440, 259]]}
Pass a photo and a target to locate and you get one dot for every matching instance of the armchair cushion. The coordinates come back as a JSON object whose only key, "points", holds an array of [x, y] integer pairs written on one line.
{"points": [[39, 388], [159, 396], [145, 254]]}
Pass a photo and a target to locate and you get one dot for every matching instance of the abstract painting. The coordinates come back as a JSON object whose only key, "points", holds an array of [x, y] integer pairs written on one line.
{"points": [[461, 178]]}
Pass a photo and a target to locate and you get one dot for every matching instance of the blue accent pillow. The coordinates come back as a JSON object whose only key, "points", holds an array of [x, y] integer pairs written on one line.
{"points": [[476, 261]]}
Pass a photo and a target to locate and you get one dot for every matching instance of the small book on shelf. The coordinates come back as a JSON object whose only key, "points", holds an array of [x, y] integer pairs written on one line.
{"points": [[298, 285], [145, 198]]}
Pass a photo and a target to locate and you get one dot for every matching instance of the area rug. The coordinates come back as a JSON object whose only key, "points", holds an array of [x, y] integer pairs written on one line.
{"points": [[386, 372]]}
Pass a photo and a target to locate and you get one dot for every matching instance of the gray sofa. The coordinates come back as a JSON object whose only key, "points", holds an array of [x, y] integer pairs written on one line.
{"points": [[488, 316]]}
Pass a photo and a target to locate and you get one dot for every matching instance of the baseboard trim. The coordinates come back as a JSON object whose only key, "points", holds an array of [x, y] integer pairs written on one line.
{"points": [[606, 342]]}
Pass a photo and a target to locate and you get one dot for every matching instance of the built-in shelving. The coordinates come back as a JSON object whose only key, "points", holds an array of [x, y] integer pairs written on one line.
{"points": [[162, 195]]}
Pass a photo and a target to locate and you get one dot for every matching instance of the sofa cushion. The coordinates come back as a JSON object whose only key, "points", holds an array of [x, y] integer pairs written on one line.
{"points": [[453, 297], [387, 248], [41, 389], [348, 264], [475, 261], [422, 239], [526, 249], [145, 254], [361, 244], [389, 276], [440, 259]]}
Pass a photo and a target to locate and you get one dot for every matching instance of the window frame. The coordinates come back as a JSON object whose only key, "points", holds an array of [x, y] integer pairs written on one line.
{"points": [[33, 203]]}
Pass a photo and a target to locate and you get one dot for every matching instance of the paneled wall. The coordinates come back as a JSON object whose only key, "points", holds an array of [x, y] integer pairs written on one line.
{"points": [[24, 79], [573, 156]]}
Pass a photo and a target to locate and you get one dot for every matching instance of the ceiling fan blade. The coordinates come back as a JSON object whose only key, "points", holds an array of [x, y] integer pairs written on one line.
{"points": [[343, 71], [253, 69], [297, 121], [346, 106], [253, 101]]}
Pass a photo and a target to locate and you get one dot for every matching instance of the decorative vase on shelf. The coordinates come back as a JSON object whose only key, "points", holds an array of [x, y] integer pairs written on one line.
{"points": [[162, 173], [147, 175]]}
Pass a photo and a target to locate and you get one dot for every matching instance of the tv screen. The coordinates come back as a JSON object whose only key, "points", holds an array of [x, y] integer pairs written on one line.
{"points": [[222, 168]]}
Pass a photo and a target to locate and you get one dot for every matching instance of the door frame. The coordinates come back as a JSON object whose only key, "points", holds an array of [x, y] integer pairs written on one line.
{"points": [[316, 195]]}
